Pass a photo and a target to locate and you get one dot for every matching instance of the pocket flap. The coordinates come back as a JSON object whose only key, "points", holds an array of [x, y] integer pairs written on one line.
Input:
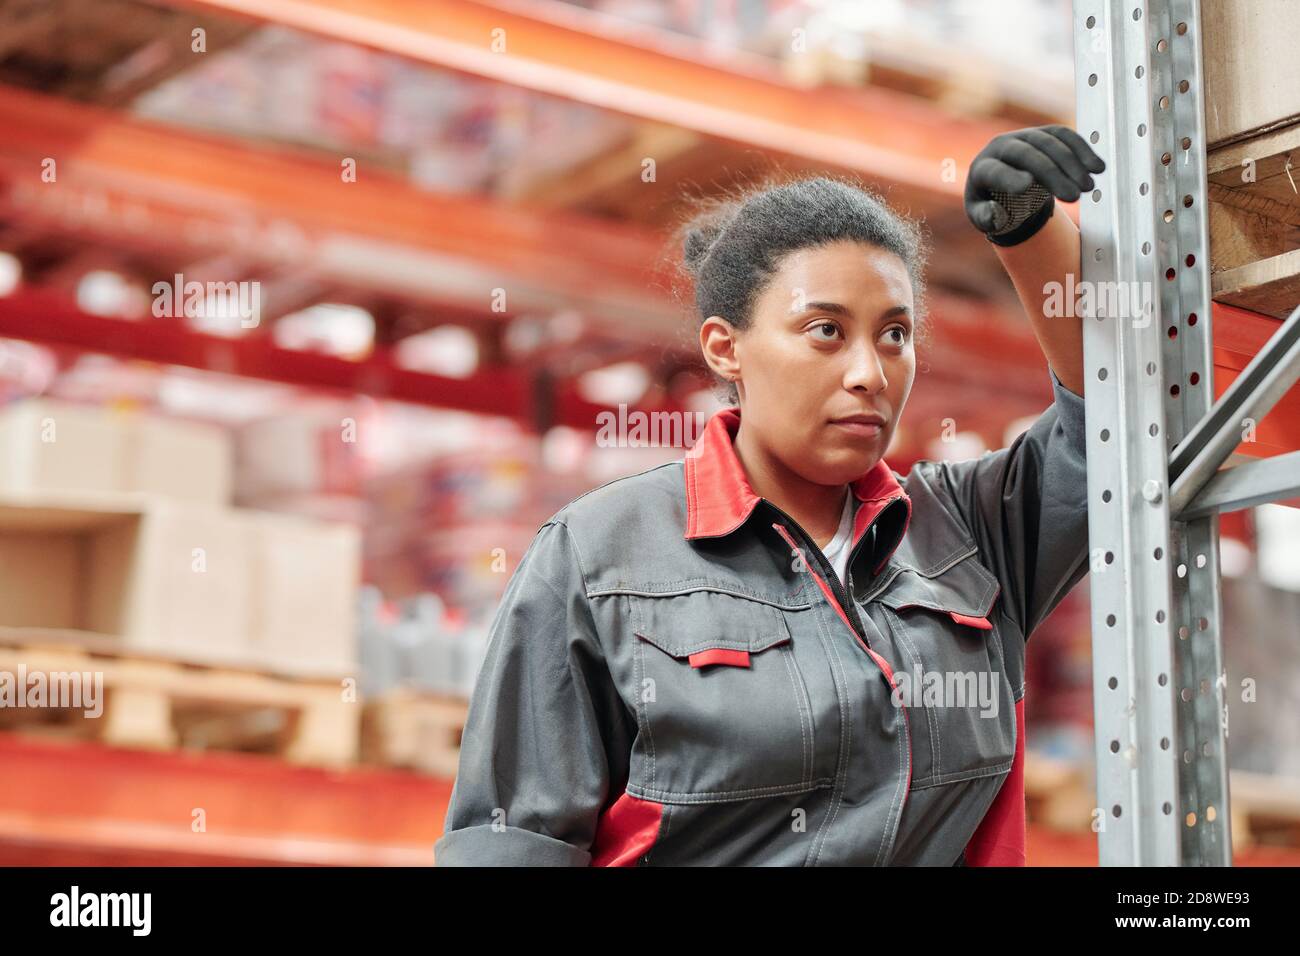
{"points": [[709, 628], [966, 592]]}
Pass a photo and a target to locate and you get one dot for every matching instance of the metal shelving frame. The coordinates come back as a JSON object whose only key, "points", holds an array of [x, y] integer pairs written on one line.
{"points": [[1156, 438]]}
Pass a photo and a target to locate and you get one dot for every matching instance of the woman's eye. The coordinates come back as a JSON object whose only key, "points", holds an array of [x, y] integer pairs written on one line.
{"points": [[902, 335], [831, 326]]}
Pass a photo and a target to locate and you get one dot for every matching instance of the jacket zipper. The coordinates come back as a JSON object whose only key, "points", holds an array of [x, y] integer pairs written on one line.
{"points": [[832, 579], [855, 626]]}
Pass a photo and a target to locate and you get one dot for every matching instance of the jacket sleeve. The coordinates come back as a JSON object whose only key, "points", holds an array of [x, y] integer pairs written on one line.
{"points": [[1027, 506], [546, 731]]}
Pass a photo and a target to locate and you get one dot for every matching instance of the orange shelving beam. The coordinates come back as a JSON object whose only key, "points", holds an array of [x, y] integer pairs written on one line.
{"points": [[87, 804], [887, 136]]}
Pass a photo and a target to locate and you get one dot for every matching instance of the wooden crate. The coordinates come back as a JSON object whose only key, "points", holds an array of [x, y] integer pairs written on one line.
{"points": [[1252, 120], [158, 702]]}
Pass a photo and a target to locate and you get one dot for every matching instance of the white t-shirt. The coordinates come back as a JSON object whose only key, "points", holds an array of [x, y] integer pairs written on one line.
{"points": [[837, 550]]}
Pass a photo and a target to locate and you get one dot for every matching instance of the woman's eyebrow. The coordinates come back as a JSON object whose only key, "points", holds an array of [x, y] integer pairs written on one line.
{"points": [[833, 307], [836, 308]]}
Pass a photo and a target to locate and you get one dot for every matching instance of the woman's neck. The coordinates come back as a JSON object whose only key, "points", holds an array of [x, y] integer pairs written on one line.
{"points": [[816, 508]]}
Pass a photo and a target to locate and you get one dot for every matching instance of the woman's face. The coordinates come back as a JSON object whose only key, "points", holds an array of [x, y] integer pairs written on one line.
{"points": [[830, 338]]}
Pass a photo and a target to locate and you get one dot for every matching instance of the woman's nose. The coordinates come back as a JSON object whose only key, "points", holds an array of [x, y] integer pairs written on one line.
{"points": [[866, 370]]}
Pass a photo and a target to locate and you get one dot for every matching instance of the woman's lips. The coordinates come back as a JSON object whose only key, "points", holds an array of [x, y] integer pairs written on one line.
{"points": [[861, 429]]}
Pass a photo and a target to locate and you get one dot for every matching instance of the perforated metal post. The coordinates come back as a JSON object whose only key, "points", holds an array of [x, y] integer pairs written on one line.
{"points": [[1157, 664]]}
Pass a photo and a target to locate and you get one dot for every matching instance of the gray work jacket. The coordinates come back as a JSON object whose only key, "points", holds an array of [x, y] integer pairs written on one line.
{"points": [[676, 675]]}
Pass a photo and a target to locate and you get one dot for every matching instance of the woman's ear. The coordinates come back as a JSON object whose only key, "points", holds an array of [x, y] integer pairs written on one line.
{"points": [[718, 340]]}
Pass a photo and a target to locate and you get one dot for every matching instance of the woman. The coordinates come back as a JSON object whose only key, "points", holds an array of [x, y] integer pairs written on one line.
{"points": [[778, 650]]}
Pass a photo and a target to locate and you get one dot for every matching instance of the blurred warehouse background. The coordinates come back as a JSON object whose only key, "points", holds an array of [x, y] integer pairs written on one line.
{"points": [[444, 224]]}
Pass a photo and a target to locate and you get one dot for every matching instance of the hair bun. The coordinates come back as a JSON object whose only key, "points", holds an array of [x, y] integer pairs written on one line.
{"points": [[699, 240]]}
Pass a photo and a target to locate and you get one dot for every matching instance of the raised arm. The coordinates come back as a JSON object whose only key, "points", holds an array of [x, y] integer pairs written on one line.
{"points": [[1011, 197]]}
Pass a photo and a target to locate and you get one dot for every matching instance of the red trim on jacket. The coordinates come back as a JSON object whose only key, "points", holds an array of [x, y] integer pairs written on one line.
{"points": [[999, 840], [626, 831], [719, 497], [719, 655]]}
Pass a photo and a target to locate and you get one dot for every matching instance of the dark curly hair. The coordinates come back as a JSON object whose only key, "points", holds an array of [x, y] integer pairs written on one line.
{"points": [[731, 246]]}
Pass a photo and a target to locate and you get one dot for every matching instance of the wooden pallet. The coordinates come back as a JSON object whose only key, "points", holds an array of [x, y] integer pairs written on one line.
{"points": [[159, 702], [414, 729], [1265, 808]]}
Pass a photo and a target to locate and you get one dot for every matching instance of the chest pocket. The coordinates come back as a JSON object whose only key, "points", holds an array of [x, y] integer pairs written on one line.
{"points": [[951, 672], [723, 710]]}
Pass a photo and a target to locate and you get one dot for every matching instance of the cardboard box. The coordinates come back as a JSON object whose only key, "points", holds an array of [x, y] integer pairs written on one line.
{"points": [[185, 461], [306, 574], [191, 587], [154, 576], [1252, 74], [54, 446], [49, 446]]}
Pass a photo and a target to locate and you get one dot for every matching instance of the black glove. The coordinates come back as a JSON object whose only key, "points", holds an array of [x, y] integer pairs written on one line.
{"points": [[1012, 182]]}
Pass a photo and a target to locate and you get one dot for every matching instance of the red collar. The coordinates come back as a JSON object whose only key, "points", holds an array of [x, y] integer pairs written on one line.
{"points": [[719, 498]]}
